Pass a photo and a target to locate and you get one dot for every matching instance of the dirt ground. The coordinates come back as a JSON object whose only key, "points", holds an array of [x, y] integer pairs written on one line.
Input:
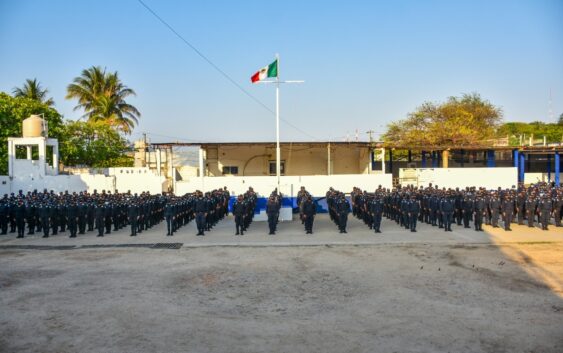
{"points": [[378, 298]]}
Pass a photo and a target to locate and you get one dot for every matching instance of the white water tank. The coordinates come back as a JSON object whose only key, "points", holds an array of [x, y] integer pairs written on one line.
{"points": [[34, 126]]}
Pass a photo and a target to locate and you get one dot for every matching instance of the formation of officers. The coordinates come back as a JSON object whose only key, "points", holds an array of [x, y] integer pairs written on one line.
{"points": [[49, 213], [540, 203]]}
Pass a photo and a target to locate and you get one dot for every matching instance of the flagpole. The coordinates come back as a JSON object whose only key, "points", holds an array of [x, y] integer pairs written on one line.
{"points": [[278, 152]]}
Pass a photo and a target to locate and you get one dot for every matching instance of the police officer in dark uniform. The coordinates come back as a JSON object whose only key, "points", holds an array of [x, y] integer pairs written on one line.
{"points": [[169, 216], [376, 209], [239, 210], [531, 206], [447, 210], [507, 212], [494, 207], [272, 213], [200, 211], [342, 209], [72, 217], [108, 211], [99, 213], [545, 208], [44, 214], [133, 215], [30, 214], [4, 214], [309, 212], [19, 214], [413, 211]]}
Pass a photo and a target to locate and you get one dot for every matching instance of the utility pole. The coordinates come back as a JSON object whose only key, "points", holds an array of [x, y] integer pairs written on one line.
{"points": [[371, 148], [370, 134]]}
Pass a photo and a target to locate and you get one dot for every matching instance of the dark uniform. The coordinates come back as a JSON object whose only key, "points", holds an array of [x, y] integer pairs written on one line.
{"points": [[200, 210], [239, 210], [272, 211], [309, 212]]}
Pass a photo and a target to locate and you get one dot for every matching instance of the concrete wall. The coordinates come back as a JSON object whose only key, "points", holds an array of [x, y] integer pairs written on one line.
{"points": [[290, 185], [135, 180], [4, 185], [530, 178], [460, 177], [72, 183]]}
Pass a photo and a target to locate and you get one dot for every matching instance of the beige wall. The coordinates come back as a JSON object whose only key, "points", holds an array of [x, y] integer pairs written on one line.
{"points": [[253, 160]]}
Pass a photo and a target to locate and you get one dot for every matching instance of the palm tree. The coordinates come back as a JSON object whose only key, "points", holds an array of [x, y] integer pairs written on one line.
{"points": [[102, 96], [32, 89]]}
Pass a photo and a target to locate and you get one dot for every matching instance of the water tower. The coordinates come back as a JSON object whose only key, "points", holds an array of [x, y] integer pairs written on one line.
{"points": [[34, 137]]}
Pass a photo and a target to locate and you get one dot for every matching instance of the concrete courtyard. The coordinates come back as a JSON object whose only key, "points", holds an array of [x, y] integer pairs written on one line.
{"points": [[398, 291]]}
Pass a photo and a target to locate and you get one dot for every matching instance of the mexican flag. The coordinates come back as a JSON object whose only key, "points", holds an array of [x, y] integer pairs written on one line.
{"points": [[268, 71]]}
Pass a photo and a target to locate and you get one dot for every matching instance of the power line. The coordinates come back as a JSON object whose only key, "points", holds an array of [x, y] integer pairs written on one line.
{"points": [[217, 68]]}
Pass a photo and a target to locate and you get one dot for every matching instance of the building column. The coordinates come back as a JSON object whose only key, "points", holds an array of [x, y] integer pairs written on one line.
{"points": [[515, 158], [42, 156], [391, 161], [491, 159], [557, 168], [56, 157], [409, 156], [549, 168], [423, 164], [201, 167], [521, 170], [158, 161], [28, 150], [382, 160], [328, 162], [445, 158], [11, 158]]}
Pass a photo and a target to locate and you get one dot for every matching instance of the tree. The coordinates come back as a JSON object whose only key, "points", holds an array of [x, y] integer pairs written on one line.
{"points": [[13, 110], [94, 144], [560, 121], [537, 129], [465, 121], [32, 89], [102, 96]]}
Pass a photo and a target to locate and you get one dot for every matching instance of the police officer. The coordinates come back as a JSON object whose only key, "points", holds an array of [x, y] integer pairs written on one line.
{"points": [[72, 217], [201, 208], [169, 216], [99, 213], [531, 206], [44, 214], [342, 209], [545, 207], [479, 209], [272, 211], [376, 209], [309, 212], [447, 209], [494, 207], [239, 210], [19, 214], [133, 215], [507, 212], [413, 211], [4, 214]]}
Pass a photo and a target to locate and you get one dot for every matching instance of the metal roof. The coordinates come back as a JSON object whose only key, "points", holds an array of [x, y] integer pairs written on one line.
{"points": [[364, 144]]}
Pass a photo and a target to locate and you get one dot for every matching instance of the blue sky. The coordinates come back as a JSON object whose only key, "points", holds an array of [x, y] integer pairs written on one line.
{"points": [[365, 63]]}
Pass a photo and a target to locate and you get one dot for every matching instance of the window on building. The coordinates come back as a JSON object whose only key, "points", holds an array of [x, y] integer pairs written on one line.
{"points": [[230, 170], [273, 167]]}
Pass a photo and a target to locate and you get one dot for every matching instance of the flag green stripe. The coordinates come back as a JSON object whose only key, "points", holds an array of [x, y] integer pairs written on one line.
{"points": [[273, 69]]}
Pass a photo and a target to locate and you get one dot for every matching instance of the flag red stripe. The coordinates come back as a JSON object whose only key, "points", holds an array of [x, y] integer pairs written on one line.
{"points": [[255, 77]]}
